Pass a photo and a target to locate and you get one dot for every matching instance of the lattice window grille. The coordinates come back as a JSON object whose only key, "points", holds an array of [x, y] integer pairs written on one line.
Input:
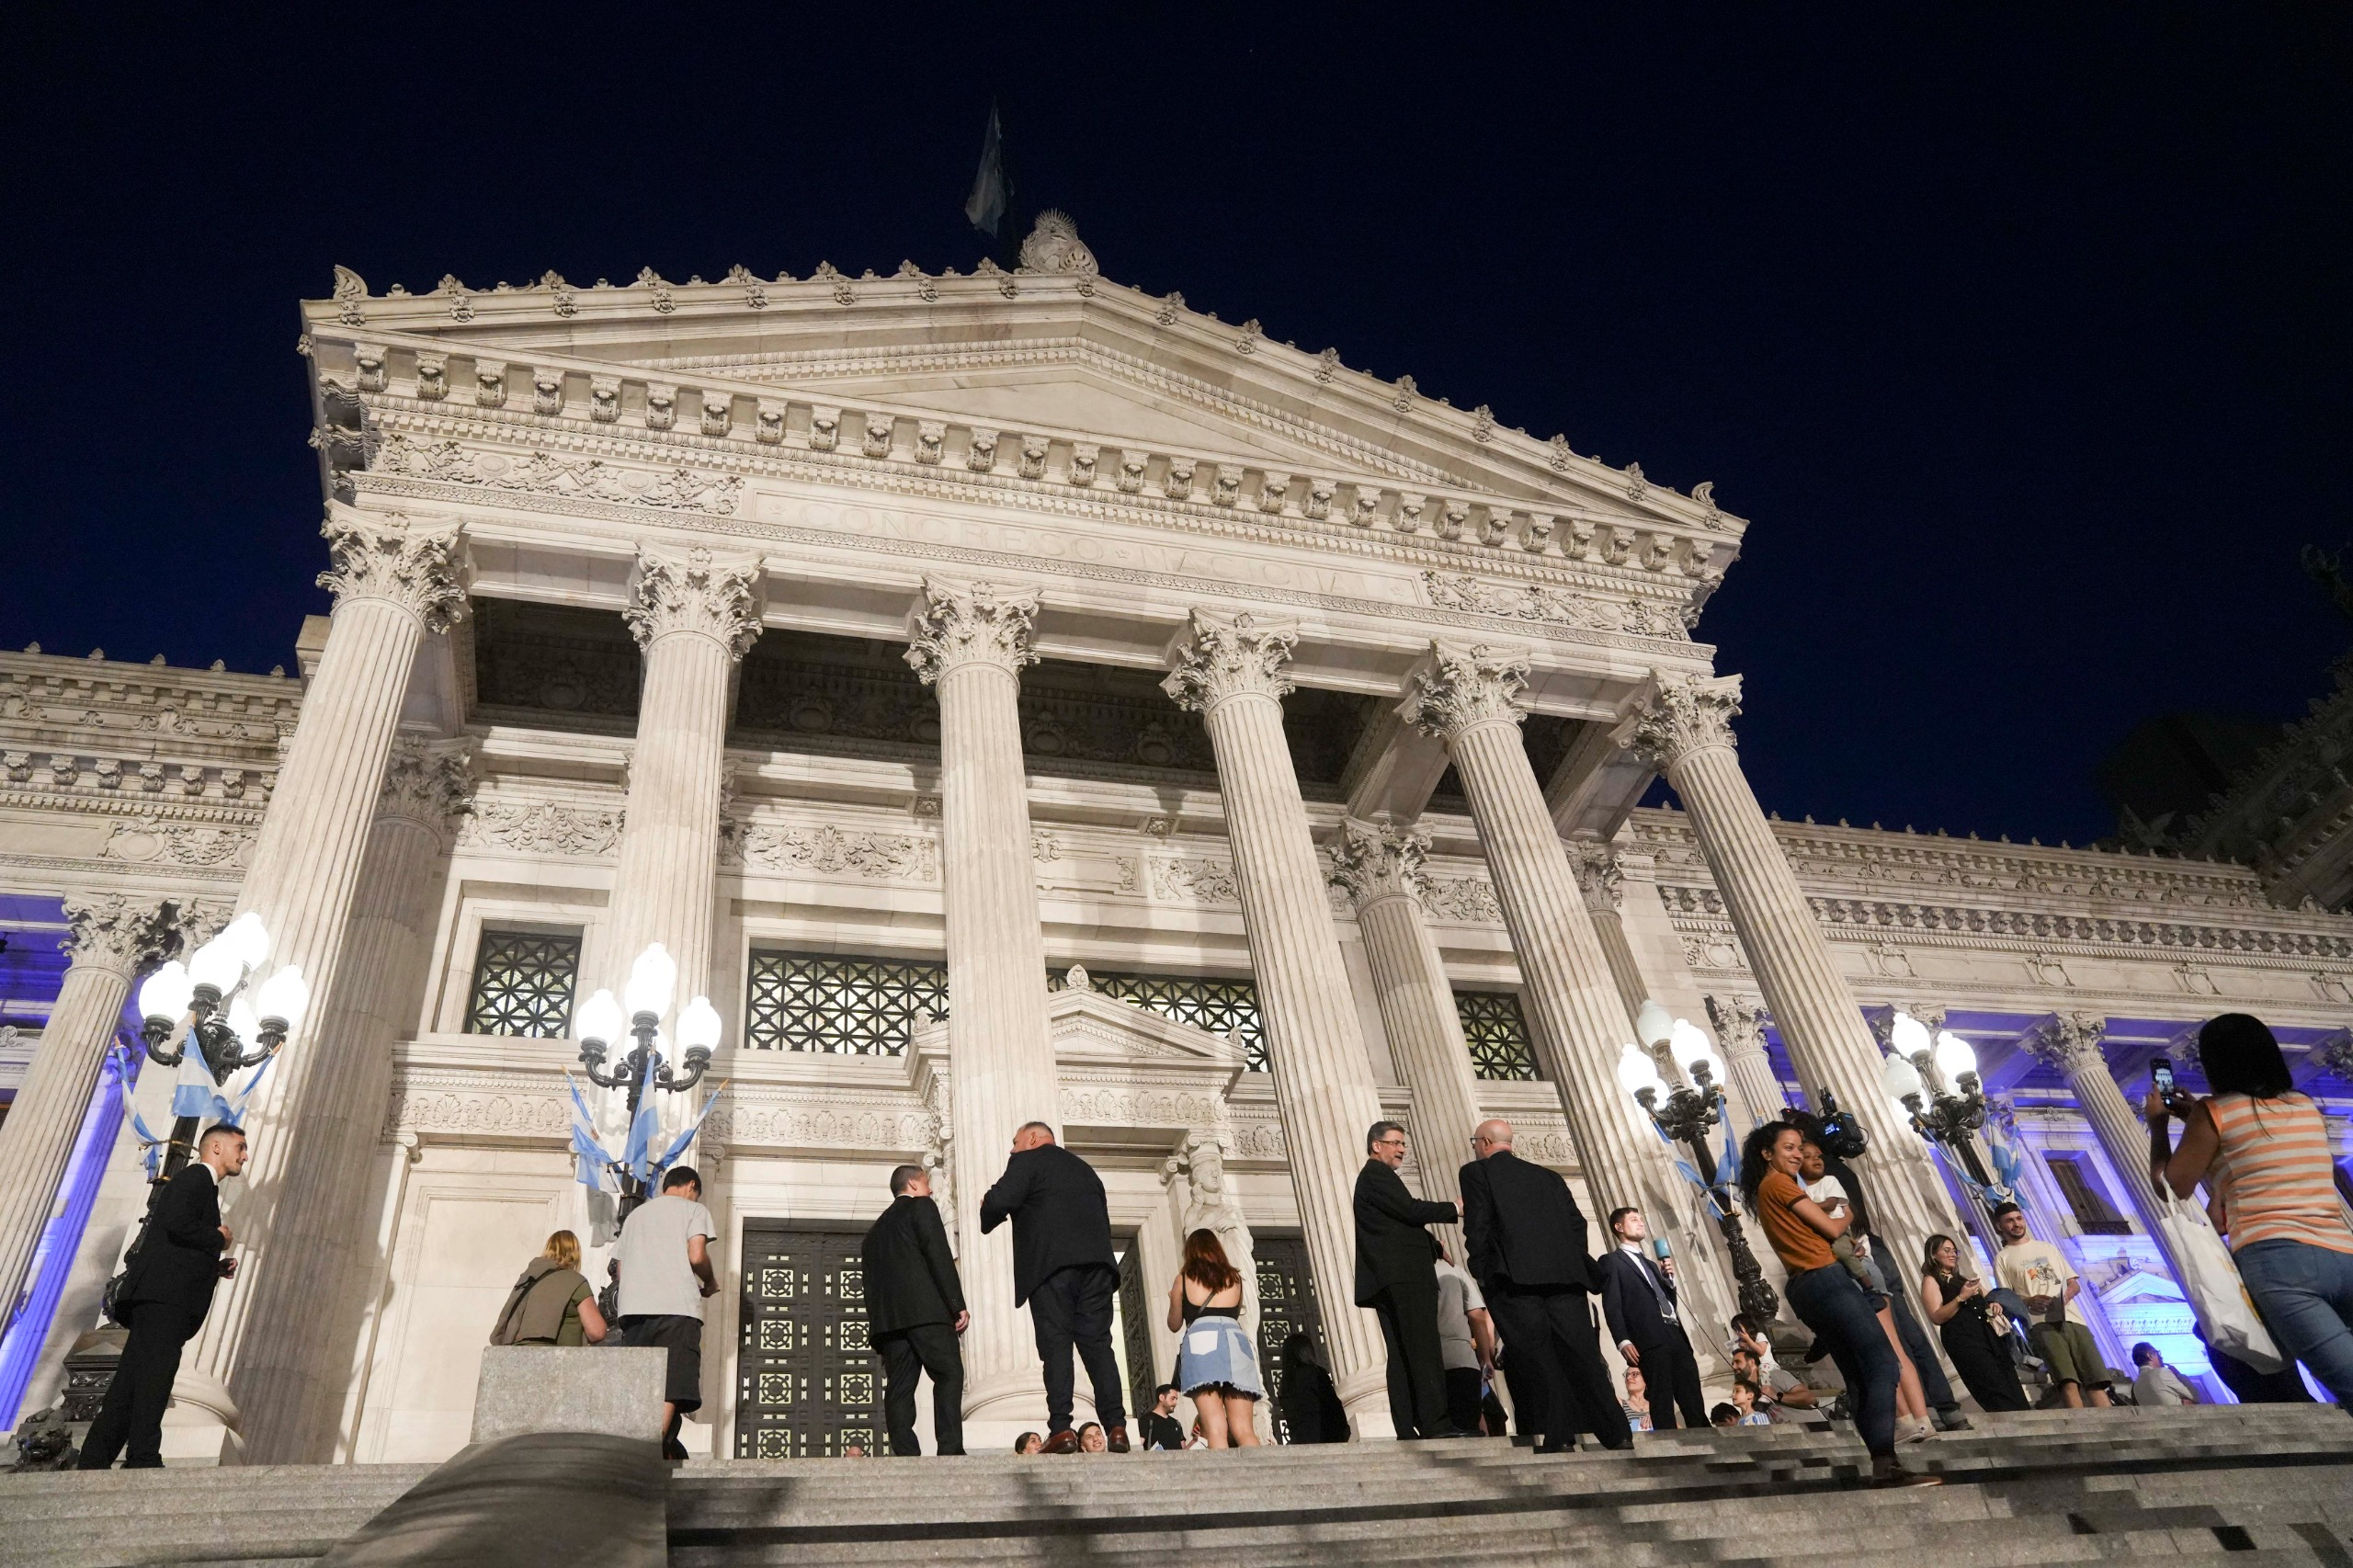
{"points": [[1220, 1006], [1496, 1032], [847, 1006], [523, 985]]}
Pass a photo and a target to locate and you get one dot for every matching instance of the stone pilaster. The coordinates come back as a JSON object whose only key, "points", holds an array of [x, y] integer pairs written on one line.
{"points": [[1381, 867], [970, 641], [1682, 726], [1740, 1024], [1468, 697], [694, 615], [110, 939], [2070, 1043], [1230, 669], [396, 580], [371, 1003]]}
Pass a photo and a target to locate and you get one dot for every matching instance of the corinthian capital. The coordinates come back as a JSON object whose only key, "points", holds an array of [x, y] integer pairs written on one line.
{"points": [[1674, 716], [1600, 877], [694, 591], [415, 565], [956, 622], [1378, 861], [1229, 655], [1463, 684], [428, 782], [126, 935], [2068, 1041], [1739, 1023]]}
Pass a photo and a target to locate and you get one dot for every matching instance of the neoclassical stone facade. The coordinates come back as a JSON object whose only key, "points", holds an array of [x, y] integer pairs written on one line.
{"points": [[1007, 696]]}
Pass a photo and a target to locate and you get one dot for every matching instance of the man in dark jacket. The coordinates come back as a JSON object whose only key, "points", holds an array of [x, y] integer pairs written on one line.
{"points": [[1396, 1280], [165, 1293], [1065, 1268], [915, 1310], [1526, 1240], [1645, 1317]]}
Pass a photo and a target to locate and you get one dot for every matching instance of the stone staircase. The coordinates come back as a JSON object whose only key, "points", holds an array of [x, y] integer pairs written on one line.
{"points": [[2255, 1484]]}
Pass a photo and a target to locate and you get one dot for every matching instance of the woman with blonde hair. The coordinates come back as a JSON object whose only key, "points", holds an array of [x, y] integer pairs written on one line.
{"points": [[1215, 1366], [551, 1303]]}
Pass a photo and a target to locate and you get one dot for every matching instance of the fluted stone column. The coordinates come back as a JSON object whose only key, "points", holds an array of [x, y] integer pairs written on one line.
{"points": [[1380, 865], [1740, 1031], [2070, 1042], [372, 1003], [1468, 697], [1603, 884], [396, 580], [694, 615], [1230, 669], [969, 641], [110, 939], [1682, 726]]}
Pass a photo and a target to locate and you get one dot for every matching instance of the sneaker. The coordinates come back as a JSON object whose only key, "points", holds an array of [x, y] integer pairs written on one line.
{"points": [[1953, 1423], [1917, 1432], [1888, 1472]]}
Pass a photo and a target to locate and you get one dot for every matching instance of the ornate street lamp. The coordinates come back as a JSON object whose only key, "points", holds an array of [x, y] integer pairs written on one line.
{"points": [[651, 980], [1683, 1107], [203, 1003], [1935, 1082]]}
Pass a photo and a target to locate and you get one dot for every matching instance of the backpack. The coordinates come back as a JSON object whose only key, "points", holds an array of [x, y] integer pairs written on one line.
{"points": [[516, 1318], [110, 1299]]}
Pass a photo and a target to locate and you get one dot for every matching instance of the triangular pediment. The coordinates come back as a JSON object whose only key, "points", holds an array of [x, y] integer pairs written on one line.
{"points": [[1086, 1025]]}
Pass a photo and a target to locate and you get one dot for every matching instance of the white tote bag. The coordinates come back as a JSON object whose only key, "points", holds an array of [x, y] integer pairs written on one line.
{"points": [[2216, 1293]]}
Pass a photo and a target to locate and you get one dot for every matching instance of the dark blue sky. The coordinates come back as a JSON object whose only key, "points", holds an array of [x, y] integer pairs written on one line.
{"points": [[2021, 333]]}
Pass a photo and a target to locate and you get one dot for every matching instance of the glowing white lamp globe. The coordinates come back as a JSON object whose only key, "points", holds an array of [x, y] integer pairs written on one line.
{"points": [[216, 964], [1692, 1050], [652, 979], [285, 997], [1955, 1060], [1898, 1077], [1653, 1023], [165, 994], [1909, 1036], [243, 1021], [600, 1018], [699, 1025], [1637, 1072]]}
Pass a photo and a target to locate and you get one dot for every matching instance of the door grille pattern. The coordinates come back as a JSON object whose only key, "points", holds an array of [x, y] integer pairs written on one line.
{"points": [[1286, 1306], [808, 1384]]}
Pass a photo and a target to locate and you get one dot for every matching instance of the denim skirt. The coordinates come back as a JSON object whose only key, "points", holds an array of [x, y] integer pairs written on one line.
{"points": [[1215, 1353]]}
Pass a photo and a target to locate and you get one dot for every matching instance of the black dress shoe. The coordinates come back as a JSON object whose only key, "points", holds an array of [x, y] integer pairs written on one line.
{"points": [[1568, 1446]]}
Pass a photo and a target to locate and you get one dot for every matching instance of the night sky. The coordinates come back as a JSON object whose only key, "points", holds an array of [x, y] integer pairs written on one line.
{"points": [[2021, 334]]}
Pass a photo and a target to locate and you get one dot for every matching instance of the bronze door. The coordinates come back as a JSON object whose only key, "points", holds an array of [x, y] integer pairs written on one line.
{"points": [[807, 1382], [1286, 1306]]}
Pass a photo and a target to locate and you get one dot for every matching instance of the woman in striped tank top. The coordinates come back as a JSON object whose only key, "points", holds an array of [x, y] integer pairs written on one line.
{"points": [[2265, 1151]]}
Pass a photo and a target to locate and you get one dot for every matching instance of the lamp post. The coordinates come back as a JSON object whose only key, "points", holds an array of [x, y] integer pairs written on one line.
{"points": [[203, 1003], [1935, 1082], [1683, 1108], [651, 980]]}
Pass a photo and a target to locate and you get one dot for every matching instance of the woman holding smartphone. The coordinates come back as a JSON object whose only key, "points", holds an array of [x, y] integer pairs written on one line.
{"points": [[2266, 1151], [1957, 1305]]}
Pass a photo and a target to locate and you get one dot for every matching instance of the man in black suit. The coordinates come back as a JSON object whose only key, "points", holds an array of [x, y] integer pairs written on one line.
{"points": [[1395, 1277], [166, 1292], [915, 1310], [1526, 1240], [1645, 1315], [1064, 1267]]}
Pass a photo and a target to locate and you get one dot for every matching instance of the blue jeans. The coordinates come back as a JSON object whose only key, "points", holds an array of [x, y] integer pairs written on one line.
{"points": [[1828, 1301], [2305, 1294]]}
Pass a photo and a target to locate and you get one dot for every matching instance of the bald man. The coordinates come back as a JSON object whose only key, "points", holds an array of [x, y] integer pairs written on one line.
{"points": [[1526, 1238], [1065, 1268]]}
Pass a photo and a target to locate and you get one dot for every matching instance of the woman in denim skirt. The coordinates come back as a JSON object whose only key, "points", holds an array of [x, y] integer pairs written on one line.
{"points": [[1215, 1365]]}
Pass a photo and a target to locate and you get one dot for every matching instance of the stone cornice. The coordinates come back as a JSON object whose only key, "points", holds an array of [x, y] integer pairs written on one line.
{"points": [[1624, 569]]}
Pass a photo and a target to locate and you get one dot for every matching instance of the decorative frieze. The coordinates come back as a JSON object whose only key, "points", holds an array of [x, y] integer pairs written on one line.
{"points": [[539, 472], [542, 827], [1187, 879], [1546, 603], [830, 850], [156, 841], [1461, 901]]}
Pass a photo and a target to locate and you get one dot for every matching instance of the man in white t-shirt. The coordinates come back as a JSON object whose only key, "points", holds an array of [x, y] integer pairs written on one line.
{"points": [[2156, 1384], [1466, 1340], [666, 1273], [2060, 1333]]}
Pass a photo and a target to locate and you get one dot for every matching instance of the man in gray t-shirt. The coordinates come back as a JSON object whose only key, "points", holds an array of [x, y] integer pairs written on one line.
{"points": [[666, 1272], [1465, 1340]]}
